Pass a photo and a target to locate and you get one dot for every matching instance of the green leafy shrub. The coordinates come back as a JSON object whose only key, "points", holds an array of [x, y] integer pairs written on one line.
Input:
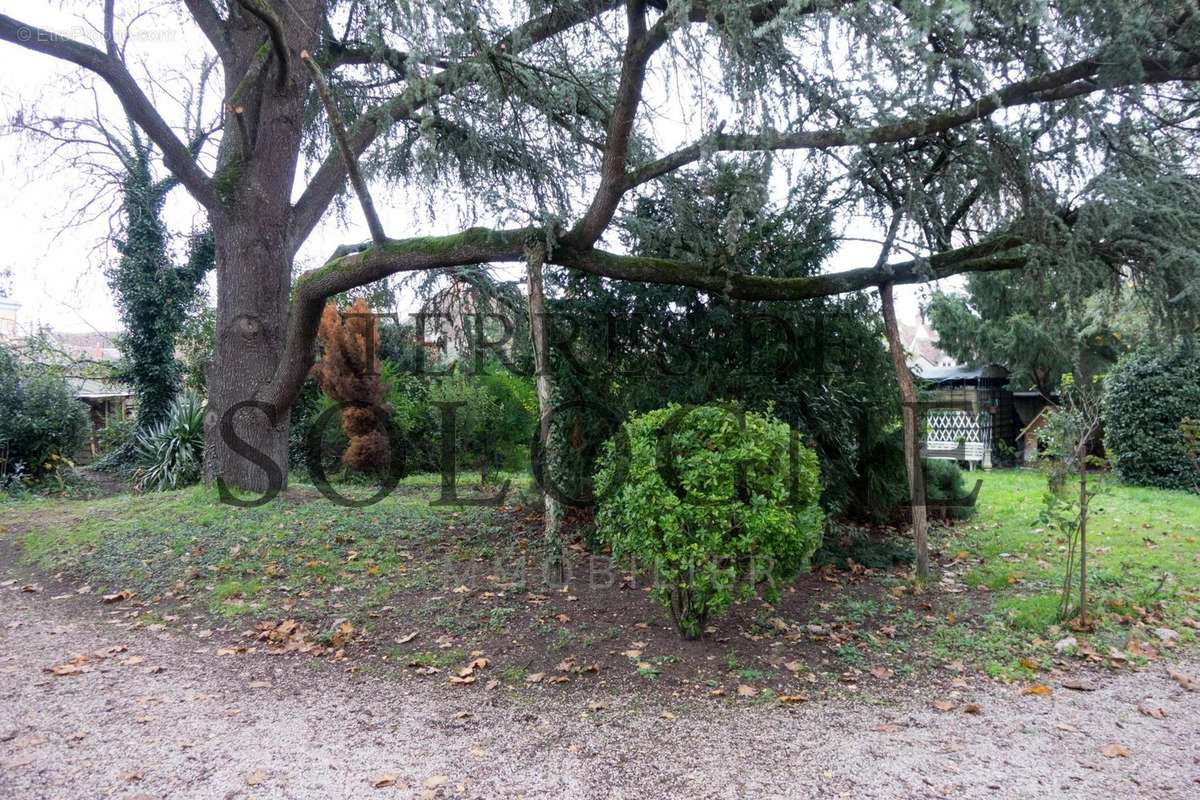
{"points": [[1148, 396], [944, 480], [117, 434], [745, 522], [170, 454], [42, 423]]}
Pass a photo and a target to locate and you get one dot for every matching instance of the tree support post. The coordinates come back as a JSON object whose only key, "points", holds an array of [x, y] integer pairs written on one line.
{"points": [[912, 455], [535, 259]]}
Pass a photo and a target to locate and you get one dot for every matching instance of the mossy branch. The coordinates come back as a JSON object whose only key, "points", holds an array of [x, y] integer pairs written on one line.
{"points": [[264, 13]]}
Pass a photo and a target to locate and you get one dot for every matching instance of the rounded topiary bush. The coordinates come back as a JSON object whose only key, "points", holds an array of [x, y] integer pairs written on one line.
{"points": [[715, 503], [1149, 395]]}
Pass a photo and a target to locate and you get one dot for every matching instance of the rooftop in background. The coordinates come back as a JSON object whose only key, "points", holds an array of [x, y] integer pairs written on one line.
{"points": [[960, 373], [921, 348], [93, 346]]}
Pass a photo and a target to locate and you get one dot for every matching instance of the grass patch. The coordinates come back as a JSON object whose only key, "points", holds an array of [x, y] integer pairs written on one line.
{"points": [[1142, 558], [187, 542], [1035, 612]]}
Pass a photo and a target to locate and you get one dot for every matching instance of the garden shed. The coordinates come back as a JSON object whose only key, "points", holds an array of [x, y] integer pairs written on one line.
{"points": [[969, 414]]}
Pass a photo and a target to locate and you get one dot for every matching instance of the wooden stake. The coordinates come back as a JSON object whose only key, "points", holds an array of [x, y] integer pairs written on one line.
{"points": [[535, 258], [912, 456]]}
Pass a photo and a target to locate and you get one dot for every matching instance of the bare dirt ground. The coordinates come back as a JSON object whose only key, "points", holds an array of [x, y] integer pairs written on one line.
{"points": [[167, 717]]}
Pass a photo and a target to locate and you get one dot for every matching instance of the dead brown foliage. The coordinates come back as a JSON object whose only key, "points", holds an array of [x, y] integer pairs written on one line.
{"points": [[349, 373]]}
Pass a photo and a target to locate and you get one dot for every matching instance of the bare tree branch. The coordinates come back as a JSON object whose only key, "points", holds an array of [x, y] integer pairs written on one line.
{"points": [[212, 26], [175, 154], [264, 13], [110, 38], [361, 264], [638, 50], [338, 125]]}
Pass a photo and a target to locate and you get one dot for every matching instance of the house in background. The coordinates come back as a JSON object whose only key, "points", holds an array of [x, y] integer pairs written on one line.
{"points": [[107, 400], [87, 360], [8, 317], [921, 346]]}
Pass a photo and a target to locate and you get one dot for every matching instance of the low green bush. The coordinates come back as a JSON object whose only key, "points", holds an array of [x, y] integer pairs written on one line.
{"points": [[42, 424], [117, 434], [735, 519], [944, 480], [170, 454], [1149, 394]]}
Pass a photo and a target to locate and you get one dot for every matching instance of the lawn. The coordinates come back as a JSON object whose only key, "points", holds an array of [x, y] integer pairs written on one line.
{"points": [[1143, 564], [418, 591]]}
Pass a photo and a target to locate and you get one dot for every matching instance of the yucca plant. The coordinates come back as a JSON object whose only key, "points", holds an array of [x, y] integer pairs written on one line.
{"points": [[170, 454]]}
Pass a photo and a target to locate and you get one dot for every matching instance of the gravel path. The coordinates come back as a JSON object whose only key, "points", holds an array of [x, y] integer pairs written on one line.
{"points": [[166, 717]]}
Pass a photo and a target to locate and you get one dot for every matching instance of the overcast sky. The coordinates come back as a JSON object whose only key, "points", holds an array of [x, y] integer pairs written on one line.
{"points": [[57, 274]]}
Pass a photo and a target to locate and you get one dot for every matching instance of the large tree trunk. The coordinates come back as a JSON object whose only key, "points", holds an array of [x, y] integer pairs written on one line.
{"points": [[253, 279], [256, 169], [535, 258], [912, 456]]}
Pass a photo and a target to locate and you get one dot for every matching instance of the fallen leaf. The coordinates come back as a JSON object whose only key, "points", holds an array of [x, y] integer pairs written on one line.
{"points": [[885, 727], [1152, 711], [882, 673], [434, 781], [341, 635], [536, 677], [462, 680], [382, 781], [794, 666], [407, 638], [1114, 750], [256, 778], [746, 691], [597, 706], [70, 668], [1038, 689], [1186, 681], [1078, 684], [945, 705], [117, 597], [793, 699], [972, 708]]}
